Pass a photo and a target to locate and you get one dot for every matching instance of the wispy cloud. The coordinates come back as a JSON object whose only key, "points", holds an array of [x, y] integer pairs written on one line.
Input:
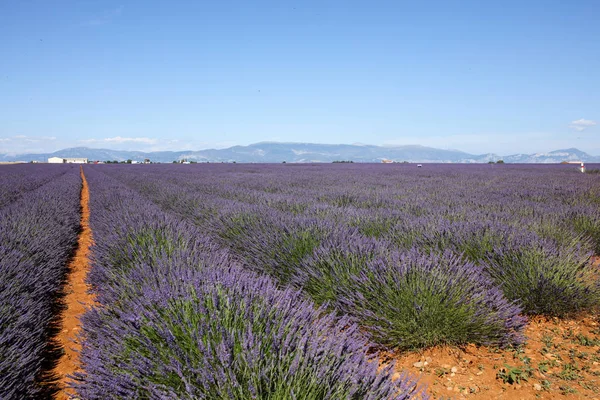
{"points": [[582, 124], [105, 18], [154, 144], [19, 144], [28, 139], [120, 139], [40, 139]]}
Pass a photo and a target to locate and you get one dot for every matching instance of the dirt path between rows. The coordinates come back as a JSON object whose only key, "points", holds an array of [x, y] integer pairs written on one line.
{"points": [[77, 299]]}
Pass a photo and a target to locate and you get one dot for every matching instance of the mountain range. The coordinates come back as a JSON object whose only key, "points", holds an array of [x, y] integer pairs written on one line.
{"points": [[275, 152]]}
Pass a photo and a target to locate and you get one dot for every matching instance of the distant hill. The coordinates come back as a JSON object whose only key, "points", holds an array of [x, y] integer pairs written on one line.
{"points": [[555, 156], [274, 152]]}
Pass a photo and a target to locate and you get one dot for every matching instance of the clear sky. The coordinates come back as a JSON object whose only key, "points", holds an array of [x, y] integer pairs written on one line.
{"points": [[478, 76]]}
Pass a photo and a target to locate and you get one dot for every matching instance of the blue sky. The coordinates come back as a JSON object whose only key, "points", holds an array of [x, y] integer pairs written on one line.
{"points": [[478, 76]]}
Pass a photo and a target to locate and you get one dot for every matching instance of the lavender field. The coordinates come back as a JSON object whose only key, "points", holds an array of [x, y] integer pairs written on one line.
{"points": [[413, 257], [225, 281]]}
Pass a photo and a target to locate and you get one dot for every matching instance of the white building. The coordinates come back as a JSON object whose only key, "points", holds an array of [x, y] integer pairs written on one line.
{"points": [[581, 166], [76, 160], [71, 160]]}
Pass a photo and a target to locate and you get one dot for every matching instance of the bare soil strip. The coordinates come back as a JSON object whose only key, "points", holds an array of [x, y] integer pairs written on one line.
{"points": [[77, 299]]}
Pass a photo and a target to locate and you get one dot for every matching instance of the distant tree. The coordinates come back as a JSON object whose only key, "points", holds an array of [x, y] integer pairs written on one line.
{"points": [[500, 162], [491, 162], [175, 162], [129, 161], [283, 162]]}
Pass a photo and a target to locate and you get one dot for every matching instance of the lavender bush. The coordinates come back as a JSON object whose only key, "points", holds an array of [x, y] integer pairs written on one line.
{"points": [[272, 244], [327, 272], [546, 279], [228, 334], [411, 300], [588, 225]]}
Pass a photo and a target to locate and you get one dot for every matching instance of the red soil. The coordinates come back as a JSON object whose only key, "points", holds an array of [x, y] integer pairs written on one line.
{"points": [[77, 299]]}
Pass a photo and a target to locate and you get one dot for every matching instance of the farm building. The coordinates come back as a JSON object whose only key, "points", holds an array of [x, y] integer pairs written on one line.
{"points": [[71, 160], [76, 160]]}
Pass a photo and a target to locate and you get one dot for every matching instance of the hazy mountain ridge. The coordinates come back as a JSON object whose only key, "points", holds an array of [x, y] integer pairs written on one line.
{"points": [[571, 154], [274, 152]]}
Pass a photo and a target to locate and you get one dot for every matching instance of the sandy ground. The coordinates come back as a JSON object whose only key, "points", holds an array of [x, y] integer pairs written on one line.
{"points": [[77, 299]]}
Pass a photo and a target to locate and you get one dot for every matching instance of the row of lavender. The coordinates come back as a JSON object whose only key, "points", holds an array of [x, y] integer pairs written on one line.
{"points": [[179, 318], [38, 232], [17, 180], [443, 254]]}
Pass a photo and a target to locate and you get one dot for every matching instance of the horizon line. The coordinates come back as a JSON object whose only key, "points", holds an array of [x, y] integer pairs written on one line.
{"points": [[12, 154]]}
